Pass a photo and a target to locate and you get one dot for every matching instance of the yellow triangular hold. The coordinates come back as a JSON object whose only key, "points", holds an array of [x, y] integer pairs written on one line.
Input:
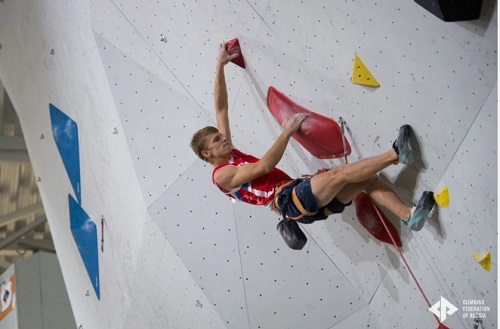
{"points": [[442, 198], [361, 75], [484, 260]]}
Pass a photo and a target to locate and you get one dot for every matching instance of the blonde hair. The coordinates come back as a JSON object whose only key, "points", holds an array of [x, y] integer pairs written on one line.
{"points": [[199, 143]]}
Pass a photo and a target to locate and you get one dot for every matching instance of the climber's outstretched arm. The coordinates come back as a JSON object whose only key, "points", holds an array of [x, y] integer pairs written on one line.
{"points": [[220, 93]]}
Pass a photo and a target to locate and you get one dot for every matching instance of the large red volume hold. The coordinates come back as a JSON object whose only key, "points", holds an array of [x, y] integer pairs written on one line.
{"points": [[233, 47], [368, 217], [320, 135]]}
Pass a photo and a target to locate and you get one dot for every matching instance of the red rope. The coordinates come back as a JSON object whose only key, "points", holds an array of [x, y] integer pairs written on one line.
{"points": [[342, 122], [404, 260]]}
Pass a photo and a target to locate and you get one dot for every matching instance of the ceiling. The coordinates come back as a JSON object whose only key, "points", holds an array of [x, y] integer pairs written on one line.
{"points": [[23, 225]]}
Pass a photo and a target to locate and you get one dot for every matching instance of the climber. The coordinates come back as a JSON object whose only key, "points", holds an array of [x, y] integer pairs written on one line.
{"points": [[259, 182]]}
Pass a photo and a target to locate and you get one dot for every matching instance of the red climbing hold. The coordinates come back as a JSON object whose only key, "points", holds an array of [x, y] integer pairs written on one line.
{"points": [[320, 135], [233, 47], [369, 218]]}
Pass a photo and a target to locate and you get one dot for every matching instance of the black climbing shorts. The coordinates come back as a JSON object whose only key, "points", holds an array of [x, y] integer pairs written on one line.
{"points": [[297, 202]]}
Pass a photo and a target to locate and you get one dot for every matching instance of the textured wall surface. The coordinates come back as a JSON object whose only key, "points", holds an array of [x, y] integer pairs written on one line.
{"points": [[137, 77]]}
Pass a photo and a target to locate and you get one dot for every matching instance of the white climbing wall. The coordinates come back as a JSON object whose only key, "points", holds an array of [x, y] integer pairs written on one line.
{"points": [[137, 78]]}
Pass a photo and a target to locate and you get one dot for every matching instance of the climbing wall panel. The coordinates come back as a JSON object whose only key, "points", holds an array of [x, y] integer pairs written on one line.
{"points": [[155, 119], [205, 237], [280, 281]]}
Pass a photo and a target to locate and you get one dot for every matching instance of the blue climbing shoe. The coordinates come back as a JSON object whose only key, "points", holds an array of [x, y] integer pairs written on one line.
{"points": [[421, 211], [402, 145]]}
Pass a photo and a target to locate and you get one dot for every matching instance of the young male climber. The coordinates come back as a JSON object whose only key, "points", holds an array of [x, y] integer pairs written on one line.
{"points": [[259, 182]]}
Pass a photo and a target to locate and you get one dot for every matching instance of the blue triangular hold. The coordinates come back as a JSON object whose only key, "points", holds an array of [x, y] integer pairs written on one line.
{"points": [[85, 235], [65, 132]]}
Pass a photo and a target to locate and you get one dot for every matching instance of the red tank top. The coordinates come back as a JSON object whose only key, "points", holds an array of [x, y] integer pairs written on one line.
{"points": [[259, 191]]}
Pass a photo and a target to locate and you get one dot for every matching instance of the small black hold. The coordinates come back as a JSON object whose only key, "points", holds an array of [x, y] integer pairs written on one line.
{"points": [[52, 52]]}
